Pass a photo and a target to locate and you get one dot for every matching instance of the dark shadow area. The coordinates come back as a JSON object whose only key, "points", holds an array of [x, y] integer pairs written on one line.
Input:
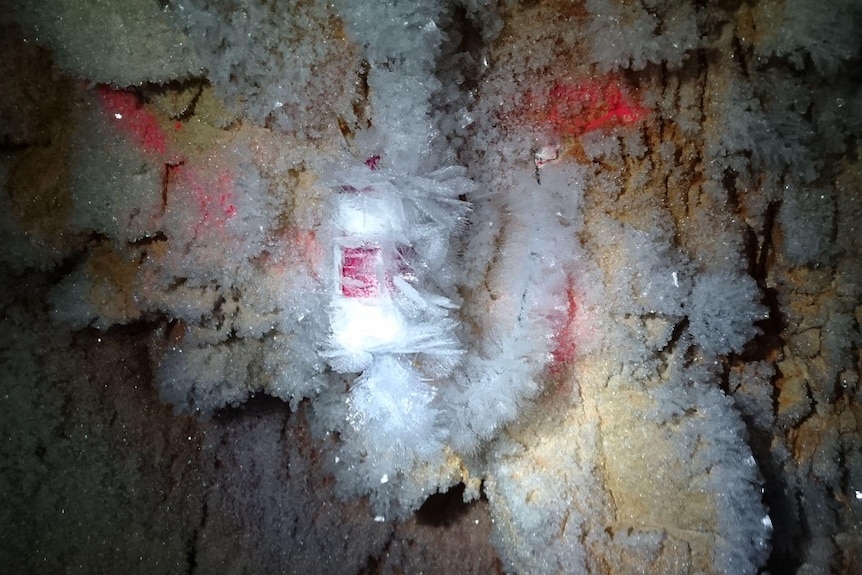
{"points": [[257, 405], [444, 509]]}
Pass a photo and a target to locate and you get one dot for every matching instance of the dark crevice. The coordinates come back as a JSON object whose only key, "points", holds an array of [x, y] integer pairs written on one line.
{"points": [[168, 176], [459, 64], [769, 342], [192, 552], [150, 91], [190, 110], [194, 541], [471, 43], [724, 376], [155, 238], [786, 556], [135, 329], [256, 405], [8, 146], [444, 509], [373, 562], [360, 102], [678, 331]]}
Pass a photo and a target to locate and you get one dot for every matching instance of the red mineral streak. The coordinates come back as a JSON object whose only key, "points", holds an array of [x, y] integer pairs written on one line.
{"points": [[213, 196], [131, 118], [564, 338], [212, 193], [570, 110]]}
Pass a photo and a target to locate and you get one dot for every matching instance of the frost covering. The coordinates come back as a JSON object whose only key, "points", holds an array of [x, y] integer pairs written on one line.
{"points": [[522, 246]]}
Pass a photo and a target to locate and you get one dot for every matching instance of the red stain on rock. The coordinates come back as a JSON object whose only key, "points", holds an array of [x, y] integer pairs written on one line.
{"points": [[570, 110], [128, 114], [213, 196], [212, 193], [564, 337]]}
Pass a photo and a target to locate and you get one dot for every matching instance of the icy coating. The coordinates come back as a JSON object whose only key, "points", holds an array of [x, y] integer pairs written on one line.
{"points": [[518, 246]]}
